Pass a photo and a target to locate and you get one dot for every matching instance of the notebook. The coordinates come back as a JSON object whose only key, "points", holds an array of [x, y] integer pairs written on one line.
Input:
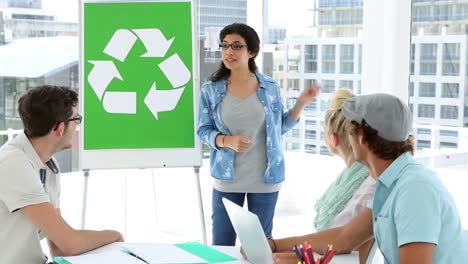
{"points": [[250, 233]]}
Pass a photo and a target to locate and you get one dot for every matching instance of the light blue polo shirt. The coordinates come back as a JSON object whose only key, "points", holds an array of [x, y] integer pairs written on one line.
{"points": [[412, 205]]}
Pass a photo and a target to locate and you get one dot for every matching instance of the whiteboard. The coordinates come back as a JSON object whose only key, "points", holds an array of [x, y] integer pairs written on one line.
{"points": [[139, 85]]}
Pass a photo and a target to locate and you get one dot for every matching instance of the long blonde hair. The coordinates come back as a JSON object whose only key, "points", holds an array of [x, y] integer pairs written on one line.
{"points": [[335, 121]]}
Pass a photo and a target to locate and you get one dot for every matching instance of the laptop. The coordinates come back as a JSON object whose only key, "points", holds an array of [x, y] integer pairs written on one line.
{"points": [[250, 233]]}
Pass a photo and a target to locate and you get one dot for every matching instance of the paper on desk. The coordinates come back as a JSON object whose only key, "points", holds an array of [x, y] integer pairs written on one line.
{"points": [[114, 257], [161, 253]]}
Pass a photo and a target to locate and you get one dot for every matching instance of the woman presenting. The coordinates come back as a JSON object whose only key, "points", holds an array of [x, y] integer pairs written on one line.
{"points": [[242, 120]]}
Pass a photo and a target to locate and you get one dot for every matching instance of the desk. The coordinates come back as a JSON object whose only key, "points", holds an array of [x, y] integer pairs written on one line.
{"points": [[352, 258]]}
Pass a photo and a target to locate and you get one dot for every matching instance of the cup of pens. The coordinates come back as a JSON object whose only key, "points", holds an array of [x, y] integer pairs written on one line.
{"points": [[306, 256]]}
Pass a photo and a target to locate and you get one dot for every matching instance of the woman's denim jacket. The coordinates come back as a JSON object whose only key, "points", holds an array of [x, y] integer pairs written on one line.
{"points": [[210, 125]]}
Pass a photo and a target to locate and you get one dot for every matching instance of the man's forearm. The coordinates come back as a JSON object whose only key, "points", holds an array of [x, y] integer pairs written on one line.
{"points": [[89, 239], [54, 250]]}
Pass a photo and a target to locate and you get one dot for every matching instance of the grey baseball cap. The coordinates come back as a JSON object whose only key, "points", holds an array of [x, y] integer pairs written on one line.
{"points": [[383, 112]]}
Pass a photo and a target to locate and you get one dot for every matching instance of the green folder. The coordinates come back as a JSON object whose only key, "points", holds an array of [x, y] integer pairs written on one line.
{"points": [[205, 252], [60, 260]]}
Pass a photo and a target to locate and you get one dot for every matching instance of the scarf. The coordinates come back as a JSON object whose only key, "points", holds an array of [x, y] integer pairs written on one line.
{"points": [[335, 198]]}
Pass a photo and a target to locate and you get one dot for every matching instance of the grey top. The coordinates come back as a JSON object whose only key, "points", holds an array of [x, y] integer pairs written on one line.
{"points": [[246, 117], [20, 186]]}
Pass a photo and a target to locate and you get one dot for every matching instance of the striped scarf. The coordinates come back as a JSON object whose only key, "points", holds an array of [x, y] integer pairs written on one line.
{"points": [[335, 198]]}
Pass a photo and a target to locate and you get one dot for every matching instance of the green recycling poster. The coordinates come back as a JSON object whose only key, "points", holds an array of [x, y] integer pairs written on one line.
{"points": [[138, 76]]}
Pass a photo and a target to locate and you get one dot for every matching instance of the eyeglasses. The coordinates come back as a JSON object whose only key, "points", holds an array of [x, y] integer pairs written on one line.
{"points": [[235, 46], [77, 119]]}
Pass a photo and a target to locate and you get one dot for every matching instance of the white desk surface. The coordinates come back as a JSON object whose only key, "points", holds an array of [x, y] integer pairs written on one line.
{"points": [[352, 258]]}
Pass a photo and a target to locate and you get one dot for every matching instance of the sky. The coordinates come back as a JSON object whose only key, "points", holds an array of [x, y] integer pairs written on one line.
{"points": [[282, 13]]}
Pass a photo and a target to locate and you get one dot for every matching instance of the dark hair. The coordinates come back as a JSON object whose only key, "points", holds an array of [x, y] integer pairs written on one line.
{"points": [[382, 148], [43, 107], [253, 45]]}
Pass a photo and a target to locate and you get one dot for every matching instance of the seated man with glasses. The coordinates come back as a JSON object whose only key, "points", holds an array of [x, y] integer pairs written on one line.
{"points": [[30, 182]]}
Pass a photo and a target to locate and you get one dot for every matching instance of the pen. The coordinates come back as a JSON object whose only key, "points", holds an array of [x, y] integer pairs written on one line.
{"points": [[326, 251], [304, 253], [126, 250], [298, 253], [328, 257], [310, 253]]}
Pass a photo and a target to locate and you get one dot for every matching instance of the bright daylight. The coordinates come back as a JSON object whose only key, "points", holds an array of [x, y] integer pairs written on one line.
{"points": [[222, 131]]}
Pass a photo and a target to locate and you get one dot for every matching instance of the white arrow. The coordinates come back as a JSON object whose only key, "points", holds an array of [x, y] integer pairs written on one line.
{"points": [[154, 41], [120, 44], [162, 100], [175, 70], [120, 102], [101, 75]]}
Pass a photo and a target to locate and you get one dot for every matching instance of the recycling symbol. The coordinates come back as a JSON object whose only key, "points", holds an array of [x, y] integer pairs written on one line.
{"points": [[156, 45]]}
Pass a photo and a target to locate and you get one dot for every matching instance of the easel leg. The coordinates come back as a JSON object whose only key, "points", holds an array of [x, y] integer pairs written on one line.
{"points": [[200, 203], [85, 196]]}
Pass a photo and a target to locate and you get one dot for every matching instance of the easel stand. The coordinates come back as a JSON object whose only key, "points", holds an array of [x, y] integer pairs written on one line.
{"points": [[199, 196], [85, 197], [200, 203]]}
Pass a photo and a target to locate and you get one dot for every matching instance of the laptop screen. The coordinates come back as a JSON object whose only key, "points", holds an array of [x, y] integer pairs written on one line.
{"points": [[250, 233]]}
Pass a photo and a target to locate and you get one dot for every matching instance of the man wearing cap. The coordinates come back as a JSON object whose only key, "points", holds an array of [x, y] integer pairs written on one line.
{"points": [[30, 182], [412, 216]]}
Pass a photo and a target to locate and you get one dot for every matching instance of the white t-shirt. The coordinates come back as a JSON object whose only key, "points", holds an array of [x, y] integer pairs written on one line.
{"points": [[20, 186], [358, 201]]}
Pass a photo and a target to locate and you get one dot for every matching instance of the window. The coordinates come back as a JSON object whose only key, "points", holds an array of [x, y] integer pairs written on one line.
{"points": [[427, 89], [424, 131], [346, 84], [449, 112], [422, 144], [451, 59], [310, 123], [324, 105], [413, 48], [448, 133], [328, 58], [426, 110], [309, 82], [448, 145], [411, 89], [428, 58], [421, 13], [292, 147], [310, 148], [441, 12], [360, 59], [450, 90], [311, 107], [293, 84], [324, 150], [310, 58], [293, 133], [294, 57], [328, 86], [346, 58], [310, 134]]}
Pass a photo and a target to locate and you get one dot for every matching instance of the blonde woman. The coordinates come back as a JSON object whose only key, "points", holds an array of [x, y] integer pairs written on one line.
{"points": [[347, 195]]}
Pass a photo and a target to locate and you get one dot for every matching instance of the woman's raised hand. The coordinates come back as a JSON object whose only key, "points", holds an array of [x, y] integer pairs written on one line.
{"points": [[309, 94]]}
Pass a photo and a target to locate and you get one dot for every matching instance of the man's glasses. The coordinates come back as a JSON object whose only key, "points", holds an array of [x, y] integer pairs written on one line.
{"points": [[235, 46], [77, 119]]}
